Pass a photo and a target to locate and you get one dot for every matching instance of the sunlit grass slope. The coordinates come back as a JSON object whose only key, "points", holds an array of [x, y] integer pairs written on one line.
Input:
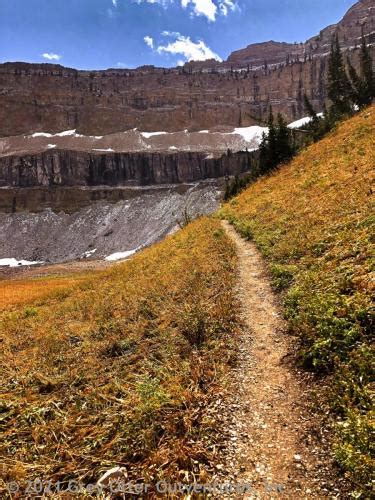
{"points": [[118, 370], [313, 221], [14, 292]]}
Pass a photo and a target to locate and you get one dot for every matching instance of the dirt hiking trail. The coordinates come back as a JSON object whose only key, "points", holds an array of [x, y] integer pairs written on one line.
{"points": [[273, 442]]}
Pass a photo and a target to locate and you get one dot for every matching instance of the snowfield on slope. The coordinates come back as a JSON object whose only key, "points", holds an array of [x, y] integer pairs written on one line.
{"points": [[12, 262], [302, 121], [121, 255], [216, 141]]}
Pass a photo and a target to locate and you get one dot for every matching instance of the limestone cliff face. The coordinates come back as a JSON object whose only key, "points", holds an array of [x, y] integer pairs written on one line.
{"points": [[238, 92], [74, 168]]}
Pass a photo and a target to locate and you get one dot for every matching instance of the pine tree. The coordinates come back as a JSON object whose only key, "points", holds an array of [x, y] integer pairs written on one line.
{"points": [[263, 154], [276, 147], [367, 74], [314, 126], [284, 141], [339, 88], [267, 154], [357, 84], [272, 142], [363, 84], [319, 125], [310, 110]]}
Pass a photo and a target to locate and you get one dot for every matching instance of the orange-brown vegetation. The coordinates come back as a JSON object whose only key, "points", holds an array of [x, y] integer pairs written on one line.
{"points": [[118, 369], [25, 291]]}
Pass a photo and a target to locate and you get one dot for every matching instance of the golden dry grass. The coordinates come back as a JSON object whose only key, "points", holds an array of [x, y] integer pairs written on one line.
{"points": [[313, 220], [15, 292], [119, 369]]}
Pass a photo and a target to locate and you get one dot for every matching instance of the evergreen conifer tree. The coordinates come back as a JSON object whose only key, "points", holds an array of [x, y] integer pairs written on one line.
{"points": [[367, 74], [339, 88], [363, 84], [272, 142], [276, 147], [284, 141], [357, 84], [263, 154], [309, 108]]}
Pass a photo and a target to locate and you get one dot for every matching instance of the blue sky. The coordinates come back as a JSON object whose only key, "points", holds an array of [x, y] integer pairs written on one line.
{"points": [[98, 34]]}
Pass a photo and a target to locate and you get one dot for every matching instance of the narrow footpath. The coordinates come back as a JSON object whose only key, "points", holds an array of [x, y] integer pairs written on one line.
{"points": [[273, 444]]}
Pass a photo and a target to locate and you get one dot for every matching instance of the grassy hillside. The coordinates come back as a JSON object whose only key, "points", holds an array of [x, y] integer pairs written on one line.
{"points": [[117, 369], [313, 222], [14, 292]]}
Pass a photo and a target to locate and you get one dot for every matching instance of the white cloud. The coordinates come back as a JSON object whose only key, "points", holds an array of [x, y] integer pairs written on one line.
{"points": [[149, 41], [192, 51], [207, 8], [50, 56], [202, 8], [170, 33], [114, 3]]}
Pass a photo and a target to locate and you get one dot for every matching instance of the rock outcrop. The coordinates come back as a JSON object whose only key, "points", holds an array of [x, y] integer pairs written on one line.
{"points": [[238, 92]]}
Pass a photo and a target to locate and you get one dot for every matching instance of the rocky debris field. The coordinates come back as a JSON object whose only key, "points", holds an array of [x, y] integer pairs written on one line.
{"points": [[101, 229]]}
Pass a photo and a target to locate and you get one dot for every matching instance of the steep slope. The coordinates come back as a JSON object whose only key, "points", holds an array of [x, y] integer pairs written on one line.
{"points": [[119, 369], [238, 92], [312, 221]]}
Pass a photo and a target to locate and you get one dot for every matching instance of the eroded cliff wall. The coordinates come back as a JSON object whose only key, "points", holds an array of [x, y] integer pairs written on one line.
{"points": [[74, 168], [238, 92]]}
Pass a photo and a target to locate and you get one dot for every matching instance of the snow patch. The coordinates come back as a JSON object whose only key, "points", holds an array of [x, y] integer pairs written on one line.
{"points": [[151, 134], [120, 255], [88, 253], [41, 134], [172, 147], [66, 133], [251, 134], [51, 146], [12, 262], [302, 121], [203, 132], [108, 150]]}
